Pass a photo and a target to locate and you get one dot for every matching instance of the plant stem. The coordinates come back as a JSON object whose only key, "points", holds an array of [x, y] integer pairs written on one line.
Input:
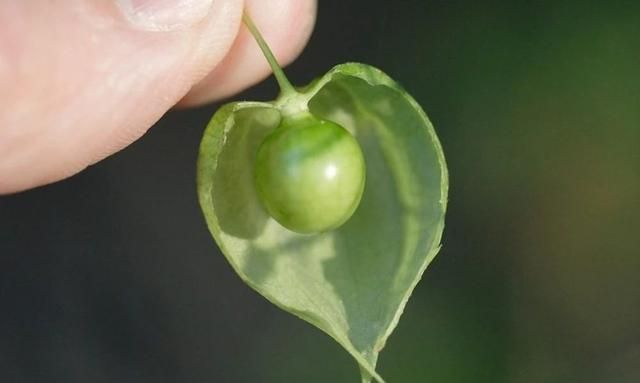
{"points": [[285, 86]]}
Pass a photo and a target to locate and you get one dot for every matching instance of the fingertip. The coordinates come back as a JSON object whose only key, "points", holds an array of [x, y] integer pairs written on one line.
{"points": [[82, 80]]}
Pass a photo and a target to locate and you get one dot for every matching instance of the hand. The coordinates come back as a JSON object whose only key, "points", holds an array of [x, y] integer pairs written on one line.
{"points": [[82, 79]]}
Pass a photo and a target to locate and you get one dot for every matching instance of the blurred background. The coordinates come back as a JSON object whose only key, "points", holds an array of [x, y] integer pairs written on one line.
{"points": [[111, 276]]}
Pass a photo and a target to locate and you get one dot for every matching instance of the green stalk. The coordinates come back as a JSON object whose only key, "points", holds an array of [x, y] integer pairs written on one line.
{"points": [[286, 88]]}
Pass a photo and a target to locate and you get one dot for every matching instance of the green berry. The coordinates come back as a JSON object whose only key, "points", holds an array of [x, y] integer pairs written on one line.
{"points": [[310, 174]]}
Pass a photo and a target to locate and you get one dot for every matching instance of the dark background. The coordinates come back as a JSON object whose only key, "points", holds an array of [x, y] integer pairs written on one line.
{"points": [[111, 276]]}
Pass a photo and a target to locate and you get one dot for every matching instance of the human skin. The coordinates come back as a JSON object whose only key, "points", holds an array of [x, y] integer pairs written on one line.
{"points": [[82, 79]]}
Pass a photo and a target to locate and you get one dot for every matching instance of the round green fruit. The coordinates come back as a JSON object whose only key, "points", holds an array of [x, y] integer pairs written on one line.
{"points": [[310, 174]]}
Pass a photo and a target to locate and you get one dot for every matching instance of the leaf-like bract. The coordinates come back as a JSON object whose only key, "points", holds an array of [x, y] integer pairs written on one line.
{"points": [[353, 282]]}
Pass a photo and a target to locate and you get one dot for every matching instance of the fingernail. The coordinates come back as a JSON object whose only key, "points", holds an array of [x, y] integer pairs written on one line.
{"points": [[164, 15]]}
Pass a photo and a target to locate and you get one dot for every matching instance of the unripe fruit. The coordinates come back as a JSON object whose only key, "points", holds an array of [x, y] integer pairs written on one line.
{"points": [[310, 174]]}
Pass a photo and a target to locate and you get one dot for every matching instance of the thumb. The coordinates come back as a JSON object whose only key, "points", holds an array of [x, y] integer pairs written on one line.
{"points": [[81, 79]]}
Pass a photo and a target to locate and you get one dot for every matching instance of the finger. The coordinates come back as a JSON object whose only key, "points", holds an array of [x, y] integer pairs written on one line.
{"points": [[286, 25], [81, 79]]}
